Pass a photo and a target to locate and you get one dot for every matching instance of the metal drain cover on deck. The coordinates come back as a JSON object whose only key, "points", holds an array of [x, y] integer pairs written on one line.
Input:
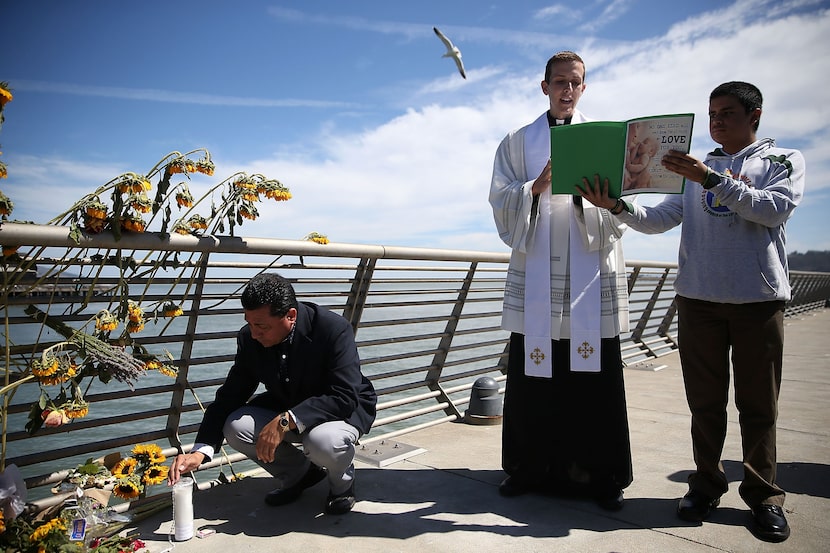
{"points": [[647, 366], [385, 452]]}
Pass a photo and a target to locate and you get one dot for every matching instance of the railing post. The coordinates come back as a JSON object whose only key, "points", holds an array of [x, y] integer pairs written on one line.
{"points": [[433, 377], [637, 333], [358, 292], [177, 399]]}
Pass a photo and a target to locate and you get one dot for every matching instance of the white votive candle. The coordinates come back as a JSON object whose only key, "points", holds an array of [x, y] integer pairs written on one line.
{"points": [[183, 509]]}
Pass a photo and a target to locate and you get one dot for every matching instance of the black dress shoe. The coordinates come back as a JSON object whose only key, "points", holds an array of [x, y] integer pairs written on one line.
{"points": [[770, 523], [284, 496], [340, 504], [513, 486], [696, 507], [611, 500]]}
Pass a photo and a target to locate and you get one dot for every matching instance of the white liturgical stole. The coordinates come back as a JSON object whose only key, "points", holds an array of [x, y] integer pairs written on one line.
{"points": [[585, 306]]}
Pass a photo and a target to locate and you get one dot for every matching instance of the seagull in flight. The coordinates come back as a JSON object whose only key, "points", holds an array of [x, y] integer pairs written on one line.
{"points": [[452, 51]]}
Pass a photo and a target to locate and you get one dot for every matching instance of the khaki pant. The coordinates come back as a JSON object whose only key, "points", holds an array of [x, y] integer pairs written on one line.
{"points": [[754, 334]]}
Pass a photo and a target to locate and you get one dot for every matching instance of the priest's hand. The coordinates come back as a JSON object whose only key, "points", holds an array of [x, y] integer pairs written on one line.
{"points": [[542, 182], [597, 193]]}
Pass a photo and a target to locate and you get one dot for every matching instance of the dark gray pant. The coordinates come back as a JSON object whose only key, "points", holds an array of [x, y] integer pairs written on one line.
{"points": [[754, 334]]}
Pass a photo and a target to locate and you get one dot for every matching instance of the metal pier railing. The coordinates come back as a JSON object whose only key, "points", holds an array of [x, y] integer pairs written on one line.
{"points": [[426, 321]]}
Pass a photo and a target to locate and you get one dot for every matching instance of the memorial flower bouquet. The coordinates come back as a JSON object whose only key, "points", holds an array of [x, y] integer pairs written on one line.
{"points": [[136, 473]]}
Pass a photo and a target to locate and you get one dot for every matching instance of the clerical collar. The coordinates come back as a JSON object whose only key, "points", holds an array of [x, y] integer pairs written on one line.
{"points": [[554, 122]]}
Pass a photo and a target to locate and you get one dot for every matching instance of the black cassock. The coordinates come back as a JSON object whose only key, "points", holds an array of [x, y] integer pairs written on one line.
{"points": [[567, 434]]}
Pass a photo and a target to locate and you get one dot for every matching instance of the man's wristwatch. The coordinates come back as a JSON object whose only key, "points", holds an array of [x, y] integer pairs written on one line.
{"points": [[284, 422], [712, 179]]}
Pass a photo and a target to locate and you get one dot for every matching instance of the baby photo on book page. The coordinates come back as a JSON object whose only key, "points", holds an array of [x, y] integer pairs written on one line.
{"points": [[647, 140]]}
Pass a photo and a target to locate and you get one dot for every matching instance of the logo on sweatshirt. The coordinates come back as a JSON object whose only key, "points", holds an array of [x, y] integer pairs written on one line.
{"points": [[710, 202]]}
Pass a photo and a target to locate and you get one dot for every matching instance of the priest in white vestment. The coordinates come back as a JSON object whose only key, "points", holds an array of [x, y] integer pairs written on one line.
{"points": [[565, 424]]}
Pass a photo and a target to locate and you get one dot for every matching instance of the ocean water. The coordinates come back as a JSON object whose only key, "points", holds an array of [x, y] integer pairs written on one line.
{"points": [[385, 349]]}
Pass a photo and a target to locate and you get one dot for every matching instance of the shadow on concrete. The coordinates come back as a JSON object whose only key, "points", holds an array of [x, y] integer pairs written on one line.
{"points": [[400, 504]]}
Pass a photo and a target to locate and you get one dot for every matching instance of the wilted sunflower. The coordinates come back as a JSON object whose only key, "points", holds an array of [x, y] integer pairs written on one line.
{"points": [[169, 370], [140, 203], [182, 228], [94, 225], [132, 183], [197, 222], [274, 190], [170, 309], [106, 321], [95, 209], [245, 183], [248, 211], [67, 369], [317, 237], [206, 167], [5, 94], [6, 205], [134, 311], [136, 317], [45, 366], [184, 198], [76, 409], [134, 223]]}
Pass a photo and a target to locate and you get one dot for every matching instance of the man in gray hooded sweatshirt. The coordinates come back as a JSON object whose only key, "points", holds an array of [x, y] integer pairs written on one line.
{"points": [[732, 287]]}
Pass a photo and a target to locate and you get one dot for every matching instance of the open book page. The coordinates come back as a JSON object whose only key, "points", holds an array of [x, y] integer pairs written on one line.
{"points": [[647, 140]]}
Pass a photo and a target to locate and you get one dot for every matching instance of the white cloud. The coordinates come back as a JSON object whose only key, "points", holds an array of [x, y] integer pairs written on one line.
{"points": [[422, 178]]}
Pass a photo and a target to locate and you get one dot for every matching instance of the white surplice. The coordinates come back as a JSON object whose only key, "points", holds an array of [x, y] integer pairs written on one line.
{"points": [[545, 313]]}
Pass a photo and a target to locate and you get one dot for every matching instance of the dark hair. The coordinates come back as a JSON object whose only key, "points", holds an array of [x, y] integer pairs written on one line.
{"points": [[747, 94], [269, 289], [563, 56]]}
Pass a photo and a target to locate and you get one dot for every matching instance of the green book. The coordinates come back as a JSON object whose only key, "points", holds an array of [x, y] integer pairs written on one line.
{"points": [[626, 152]]}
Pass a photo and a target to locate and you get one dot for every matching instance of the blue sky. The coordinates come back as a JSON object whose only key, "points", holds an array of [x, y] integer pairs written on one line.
{"points": [[351, 105]]}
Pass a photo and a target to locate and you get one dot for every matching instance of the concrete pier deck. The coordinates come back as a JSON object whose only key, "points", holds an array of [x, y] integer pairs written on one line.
{"points": [[446, 499]]}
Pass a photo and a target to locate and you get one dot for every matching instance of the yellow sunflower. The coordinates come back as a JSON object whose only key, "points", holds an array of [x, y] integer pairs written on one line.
{"points": [[127, 488], [124, 467], [151, 452], [43, 530], [155, 474]]}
